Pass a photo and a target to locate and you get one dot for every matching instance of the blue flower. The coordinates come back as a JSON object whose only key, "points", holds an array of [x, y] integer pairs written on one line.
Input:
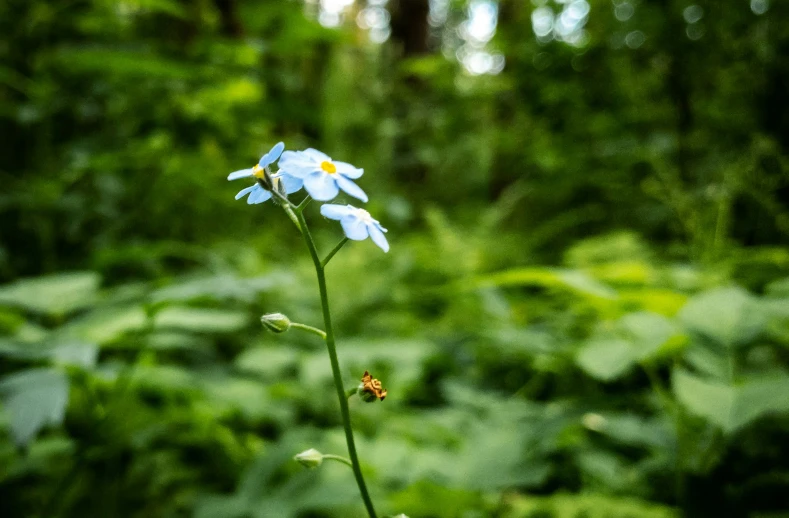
{"points": [[323, 178], [257, 194], [357, 223]]}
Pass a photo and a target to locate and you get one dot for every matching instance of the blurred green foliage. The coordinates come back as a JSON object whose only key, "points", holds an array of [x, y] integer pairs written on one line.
{"points": [[585, 311]]}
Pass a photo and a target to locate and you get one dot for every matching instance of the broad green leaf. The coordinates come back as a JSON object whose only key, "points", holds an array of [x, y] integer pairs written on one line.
{"points": [[655, 300], [606, 359], [608, 248], [164, 378], [33, 399], [201, 320], [573, 280], [779, 288], [588, 505], [623, 272], [64, 352], [239, 395], [648, 332], [107, 325], [121, 62], [267, 361], [730, 316], [219, 288], [731, 406], [634, 430], [10, 321], [80, 354], [52, 294], [173, 340], [603, 468], [713, 401], [708, 361]]}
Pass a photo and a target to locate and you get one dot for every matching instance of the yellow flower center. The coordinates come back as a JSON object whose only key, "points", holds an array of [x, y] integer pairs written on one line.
{"points": [[328, 167], [364, 215], [258, 171]]}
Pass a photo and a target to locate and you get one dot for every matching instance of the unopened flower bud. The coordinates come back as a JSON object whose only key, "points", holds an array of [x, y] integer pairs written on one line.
{"points": [[367, 397], [275, 322], [401, 515], [311, 458]]}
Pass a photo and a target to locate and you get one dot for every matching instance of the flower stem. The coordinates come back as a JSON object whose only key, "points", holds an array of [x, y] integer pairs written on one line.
{"points": [[303, 205], [309, 329], [337, 458], [334, 251], [335, 363]]}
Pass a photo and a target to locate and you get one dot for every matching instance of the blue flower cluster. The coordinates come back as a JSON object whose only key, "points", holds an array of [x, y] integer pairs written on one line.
{"points": [[322, 178]]}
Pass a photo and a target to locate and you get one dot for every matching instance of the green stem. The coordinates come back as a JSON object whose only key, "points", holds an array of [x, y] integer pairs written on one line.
{"points": [[334, 251], [335, 363], [672, 408], [309, 329], [337, 458], [301, 206], [288, 206]]}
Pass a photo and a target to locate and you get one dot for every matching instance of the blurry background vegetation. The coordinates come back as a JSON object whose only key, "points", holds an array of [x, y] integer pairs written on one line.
{"points": [[585, 311]]}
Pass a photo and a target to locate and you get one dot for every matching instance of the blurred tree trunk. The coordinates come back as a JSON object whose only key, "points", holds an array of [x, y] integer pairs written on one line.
{"points": [[514, 16], [410, 38], [410, 30], [230, 23]]}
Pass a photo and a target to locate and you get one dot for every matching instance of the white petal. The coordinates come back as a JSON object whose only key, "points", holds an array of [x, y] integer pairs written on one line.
{"points": [[348, 170], [259, 196], [241, 173], [272, 155], [321, 186], [354, 227], [378, 237], [297, 164], [317, 155], [244, 192], [333, 211], [350, 187]]}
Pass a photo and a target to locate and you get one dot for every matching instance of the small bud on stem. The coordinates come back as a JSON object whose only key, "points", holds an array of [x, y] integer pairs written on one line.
{"points": [[275, 322], [311, 458]]}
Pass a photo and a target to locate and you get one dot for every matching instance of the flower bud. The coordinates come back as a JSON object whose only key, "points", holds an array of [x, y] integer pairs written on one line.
{"points": [[275, 322], [367, 397], [401, 515], [311, 458]]}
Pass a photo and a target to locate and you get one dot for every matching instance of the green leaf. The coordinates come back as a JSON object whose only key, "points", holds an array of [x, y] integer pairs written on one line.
{"points": [[107, 325], [606, 359], [219, 288], [202, 320], [572, 280], [68, 352], [33, 399], [731, 406], [730, 316], [648, 332], [587, 505], [124, 63], [52, 294], [270, 362]]}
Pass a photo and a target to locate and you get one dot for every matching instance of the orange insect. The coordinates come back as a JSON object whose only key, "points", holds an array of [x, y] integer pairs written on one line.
{"points": [[373, 387]]}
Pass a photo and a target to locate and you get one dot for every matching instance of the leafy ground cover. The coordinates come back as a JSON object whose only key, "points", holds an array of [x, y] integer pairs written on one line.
{"points": [[612, 385]]}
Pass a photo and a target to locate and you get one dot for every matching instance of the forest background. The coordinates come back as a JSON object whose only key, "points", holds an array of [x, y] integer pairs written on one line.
{"points": [[584, 312]]}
